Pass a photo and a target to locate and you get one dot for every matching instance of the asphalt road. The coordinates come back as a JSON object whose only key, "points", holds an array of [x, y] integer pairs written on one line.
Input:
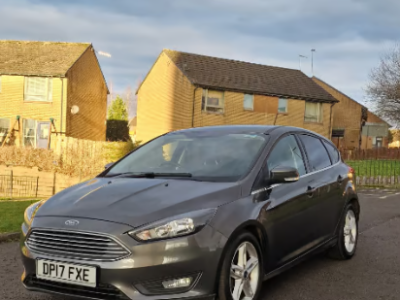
{"points": [[374, 273]]}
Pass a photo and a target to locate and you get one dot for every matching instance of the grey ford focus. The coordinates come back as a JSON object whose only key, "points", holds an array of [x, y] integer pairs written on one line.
{"points": [[200, 213]]}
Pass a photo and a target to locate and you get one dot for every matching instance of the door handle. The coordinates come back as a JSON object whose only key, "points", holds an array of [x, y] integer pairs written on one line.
{"points": [[311, 191]]}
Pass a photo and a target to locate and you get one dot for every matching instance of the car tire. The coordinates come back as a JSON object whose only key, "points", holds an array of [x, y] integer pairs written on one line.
{"points": [[242, 281], [347, 238]]}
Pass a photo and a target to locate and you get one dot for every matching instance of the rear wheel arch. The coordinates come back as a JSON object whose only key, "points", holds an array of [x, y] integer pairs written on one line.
{"points": [[356, 205]]}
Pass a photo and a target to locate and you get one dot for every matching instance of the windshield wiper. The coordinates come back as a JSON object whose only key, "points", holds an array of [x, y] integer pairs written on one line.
{"points": [[149, 175]]}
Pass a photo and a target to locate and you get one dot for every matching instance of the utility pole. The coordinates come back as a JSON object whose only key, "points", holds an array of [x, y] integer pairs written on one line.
{"points": [[300, 57], [312, 61]]}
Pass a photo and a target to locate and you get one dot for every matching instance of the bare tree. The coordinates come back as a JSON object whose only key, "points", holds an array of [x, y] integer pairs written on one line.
{"points": [[383, 90]]}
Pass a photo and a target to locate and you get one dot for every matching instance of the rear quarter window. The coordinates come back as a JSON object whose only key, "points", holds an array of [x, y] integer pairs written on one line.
{"points": [[333, 152], [317, 155]]}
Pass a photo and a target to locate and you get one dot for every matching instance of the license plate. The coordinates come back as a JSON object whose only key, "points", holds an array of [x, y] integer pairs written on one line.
{"points": [[65, 272]]}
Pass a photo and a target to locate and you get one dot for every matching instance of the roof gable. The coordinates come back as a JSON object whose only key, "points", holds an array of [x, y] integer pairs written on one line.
{"points": [[227, 74], [30, 58], [335, 89], [343, 94]]}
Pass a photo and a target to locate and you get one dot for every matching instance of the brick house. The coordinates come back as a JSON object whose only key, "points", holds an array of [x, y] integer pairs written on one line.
{"points": [[132, 128], [354, 126], [184, 90], [49, 88]]}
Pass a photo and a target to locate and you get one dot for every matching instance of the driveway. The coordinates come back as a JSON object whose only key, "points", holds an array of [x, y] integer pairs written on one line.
{"points": [[374, 273]]}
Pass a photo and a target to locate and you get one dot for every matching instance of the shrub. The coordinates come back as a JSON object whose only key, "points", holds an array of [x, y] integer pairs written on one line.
{"points": [[77, 159]]}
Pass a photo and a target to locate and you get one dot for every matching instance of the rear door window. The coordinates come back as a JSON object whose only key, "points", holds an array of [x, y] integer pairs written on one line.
{"points": [[317, 155]]}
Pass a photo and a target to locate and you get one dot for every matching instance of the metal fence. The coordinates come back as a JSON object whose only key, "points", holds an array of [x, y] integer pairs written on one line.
{"points": [[375, 167], [18, 187]]}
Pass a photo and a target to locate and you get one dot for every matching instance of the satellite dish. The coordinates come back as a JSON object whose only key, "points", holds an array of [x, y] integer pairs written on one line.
{"points": [[74, 109]]}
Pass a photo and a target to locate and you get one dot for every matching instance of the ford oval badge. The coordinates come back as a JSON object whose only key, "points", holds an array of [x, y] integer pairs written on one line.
{"points": [[71, 222]]}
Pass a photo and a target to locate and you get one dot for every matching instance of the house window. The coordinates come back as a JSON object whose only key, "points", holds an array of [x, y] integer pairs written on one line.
{"points": [[4, 128], [313, 112], [282, 106], [248, 102], [38, 89], [377, 142], [213, 101], [29, 128]]}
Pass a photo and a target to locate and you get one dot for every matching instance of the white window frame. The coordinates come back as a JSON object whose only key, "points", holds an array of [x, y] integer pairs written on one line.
{"points": [[249, 97], [34, 133], [4, 135], [206, 105], [320, 109], [47, 96], [286, 105]]}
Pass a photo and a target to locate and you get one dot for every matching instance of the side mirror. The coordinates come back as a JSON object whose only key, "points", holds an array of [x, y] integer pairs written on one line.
{"points": [[283, 175], [108, 165]]}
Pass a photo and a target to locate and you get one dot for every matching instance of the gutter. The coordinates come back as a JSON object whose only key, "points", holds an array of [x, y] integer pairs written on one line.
{"points": [[62, 104], [193, 104], [330, 122]]}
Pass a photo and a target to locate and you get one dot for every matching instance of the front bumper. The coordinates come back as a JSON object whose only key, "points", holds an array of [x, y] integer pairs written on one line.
{"points": [[140, 275]]}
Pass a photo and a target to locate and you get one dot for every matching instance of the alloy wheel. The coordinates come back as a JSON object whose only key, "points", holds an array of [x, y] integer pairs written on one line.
{"points": [[244, 274], [350, 231]]}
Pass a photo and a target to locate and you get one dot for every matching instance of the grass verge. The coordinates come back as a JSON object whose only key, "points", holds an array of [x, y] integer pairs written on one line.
{"points": [[375, 167], [12, 215]]}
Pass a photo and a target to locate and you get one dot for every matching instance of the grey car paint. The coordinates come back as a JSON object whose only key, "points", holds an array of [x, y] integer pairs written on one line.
{"points": [[138, 201], [289, 223]]}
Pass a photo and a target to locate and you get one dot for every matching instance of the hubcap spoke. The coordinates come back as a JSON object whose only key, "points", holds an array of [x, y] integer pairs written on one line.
{"points": [[238, 289], [251, 264], [248, 291], [236, 272], [242, 256]]}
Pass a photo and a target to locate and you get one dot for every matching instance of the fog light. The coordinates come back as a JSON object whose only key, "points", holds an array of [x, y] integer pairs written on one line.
{"points": [[177, 283]]}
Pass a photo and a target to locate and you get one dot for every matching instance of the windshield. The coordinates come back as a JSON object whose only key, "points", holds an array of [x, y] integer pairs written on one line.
{"points": [[220, 157]]}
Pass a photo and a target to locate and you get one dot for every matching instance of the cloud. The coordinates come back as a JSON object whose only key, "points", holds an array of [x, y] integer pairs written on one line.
{"points": [[349, 35]]}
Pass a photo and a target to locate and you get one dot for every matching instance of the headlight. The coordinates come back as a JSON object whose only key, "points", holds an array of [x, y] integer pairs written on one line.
{"points": [[31, 211], [174, 227]]}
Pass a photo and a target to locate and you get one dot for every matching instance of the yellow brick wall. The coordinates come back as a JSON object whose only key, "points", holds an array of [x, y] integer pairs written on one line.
{"points": [[165, 101], [12, 102], [87, 90], [235, 114], [347, 115]]}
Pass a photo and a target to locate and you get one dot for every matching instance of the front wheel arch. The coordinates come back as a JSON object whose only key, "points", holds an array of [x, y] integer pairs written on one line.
{"points": [[258, 231]]}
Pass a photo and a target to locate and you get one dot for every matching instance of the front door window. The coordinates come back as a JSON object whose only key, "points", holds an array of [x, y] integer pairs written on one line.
{"points": [[29, 127], [43, 131]]}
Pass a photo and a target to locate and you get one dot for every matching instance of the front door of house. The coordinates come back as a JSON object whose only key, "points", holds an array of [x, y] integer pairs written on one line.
{"points": [[378, 142], [43, 132]]}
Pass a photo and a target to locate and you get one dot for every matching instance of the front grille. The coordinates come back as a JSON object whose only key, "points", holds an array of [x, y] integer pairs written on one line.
{"points": [[78, 245], [103, 291]]}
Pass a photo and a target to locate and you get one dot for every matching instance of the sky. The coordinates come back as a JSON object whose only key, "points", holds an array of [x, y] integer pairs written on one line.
{"points": [[349, 36]]}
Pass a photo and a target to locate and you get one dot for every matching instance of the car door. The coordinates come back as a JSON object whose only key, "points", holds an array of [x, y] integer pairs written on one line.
{"points": [[338, 174], [288, 220], [322, 182]]}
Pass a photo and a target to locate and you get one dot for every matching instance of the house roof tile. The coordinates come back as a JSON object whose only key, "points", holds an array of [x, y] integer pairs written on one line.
{"points": [[234, 75], [31, 58]]}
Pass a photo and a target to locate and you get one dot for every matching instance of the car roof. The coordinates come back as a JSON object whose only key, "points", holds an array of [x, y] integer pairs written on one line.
{"points": [[274, 130]]}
